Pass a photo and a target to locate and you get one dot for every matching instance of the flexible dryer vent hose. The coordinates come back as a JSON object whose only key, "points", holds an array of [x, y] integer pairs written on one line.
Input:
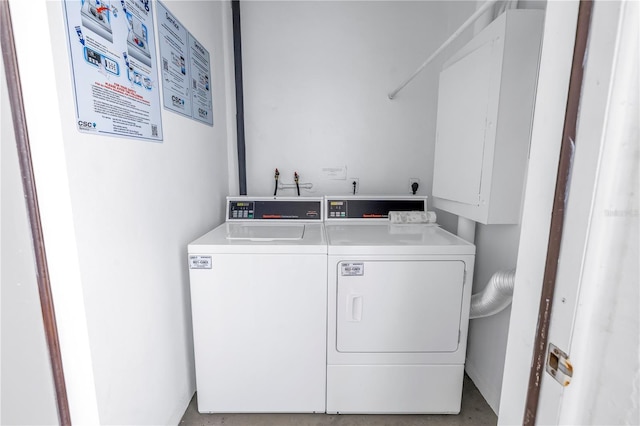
{"points": [[495, 296]]}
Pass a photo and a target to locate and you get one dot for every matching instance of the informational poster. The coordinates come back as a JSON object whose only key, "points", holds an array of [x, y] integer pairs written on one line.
{"points": [[114, 67], [173, 40], [186, 69], [200, 82]]}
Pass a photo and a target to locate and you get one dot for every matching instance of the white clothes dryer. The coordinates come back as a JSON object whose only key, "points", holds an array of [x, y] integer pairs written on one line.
{"points": [[258, 298], [398, 309]]}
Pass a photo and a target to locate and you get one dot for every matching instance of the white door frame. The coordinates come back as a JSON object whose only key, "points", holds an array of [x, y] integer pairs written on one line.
{"points": [[578, 292], [548, 122]]}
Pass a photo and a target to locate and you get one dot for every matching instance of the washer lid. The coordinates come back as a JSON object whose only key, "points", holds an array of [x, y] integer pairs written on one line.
{"points": [[291, 232], [358, 238], [262, 237]]}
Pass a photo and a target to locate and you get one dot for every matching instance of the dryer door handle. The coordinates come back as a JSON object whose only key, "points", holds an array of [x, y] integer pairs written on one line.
{"points": [[354, 307]]}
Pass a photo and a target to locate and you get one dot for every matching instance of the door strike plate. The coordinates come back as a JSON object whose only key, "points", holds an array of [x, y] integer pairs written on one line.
{"points": [[559, 365]]}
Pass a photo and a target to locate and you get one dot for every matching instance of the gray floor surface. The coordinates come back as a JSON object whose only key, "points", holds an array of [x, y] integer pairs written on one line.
{"points": [[475, 411]]}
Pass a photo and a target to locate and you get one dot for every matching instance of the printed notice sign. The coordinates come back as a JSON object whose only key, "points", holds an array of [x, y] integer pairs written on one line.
{"points": [[200, 82], [114, 67], [186, 69], [173, 40]]}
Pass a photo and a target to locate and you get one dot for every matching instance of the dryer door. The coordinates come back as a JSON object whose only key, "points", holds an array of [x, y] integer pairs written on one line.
{"points": [[399, 306]]}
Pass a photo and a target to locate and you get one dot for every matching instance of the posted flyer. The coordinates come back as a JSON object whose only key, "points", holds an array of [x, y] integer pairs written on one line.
{"points": [[114, 68]]}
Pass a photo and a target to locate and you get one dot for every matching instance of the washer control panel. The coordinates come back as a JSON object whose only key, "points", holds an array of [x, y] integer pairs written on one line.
{"points": [[243, 208], [371, 208]]}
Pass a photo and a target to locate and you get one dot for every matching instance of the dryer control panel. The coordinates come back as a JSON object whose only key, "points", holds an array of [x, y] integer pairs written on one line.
{"points": [[371, 207], [243, 208]]}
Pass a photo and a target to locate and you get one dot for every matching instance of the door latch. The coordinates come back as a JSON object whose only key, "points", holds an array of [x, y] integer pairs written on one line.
{"points": [[559, 365]]}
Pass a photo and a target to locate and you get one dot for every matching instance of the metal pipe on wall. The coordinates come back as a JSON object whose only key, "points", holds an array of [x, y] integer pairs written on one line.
{"points": [[10, 60], [237, 59]]}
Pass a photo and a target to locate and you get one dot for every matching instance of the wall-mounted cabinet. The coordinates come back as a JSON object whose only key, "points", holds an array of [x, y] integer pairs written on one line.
{"points": [[485, 110]]}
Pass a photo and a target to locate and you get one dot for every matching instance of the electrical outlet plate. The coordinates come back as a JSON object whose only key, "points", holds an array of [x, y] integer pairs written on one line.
{"points": [[411, 181], [357, 185]]}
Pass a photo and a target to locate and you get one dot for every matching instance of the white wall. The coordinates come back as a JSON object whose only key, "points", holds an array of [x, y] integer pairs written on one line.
{"points": [[317, 75], [133, 207], [27, 395], [496, 249], [316, 79]]}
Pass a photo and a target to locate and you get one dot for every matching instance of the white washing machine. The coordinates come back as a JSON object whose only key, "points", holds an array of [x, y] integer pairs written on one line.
{"points": [[258, 297], [398, 309]]}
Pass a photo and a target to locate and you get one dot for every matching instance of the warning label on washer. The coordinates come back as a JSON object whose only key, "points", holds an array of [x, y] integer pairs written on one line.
{"points": [[352, 269], [200, 262]]}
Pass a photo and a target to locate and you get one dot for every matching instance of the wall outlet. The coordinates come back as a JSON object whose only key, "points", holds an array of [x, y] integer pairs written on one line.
{"points": [[411, 182], [355, 185]]}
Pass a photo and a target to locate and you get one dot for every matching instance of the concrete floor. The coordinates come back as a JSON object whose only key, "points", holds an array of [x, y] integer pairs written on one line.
{"points": [[475, 411]]}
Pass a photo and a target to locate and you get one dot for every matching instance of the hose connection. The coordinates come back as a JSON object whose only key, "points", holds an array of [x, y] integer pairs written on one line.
{"points": [[276, 176]]}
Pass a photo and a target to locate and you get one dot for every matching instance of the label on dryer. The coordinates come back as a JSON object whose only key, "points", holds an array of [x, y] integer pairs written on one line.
{"points": [[200, 262], [352, 269]]}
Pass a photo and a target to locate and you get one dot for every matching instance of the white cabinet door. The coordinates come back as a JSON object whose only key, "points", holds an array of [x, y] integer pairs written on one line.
{"points": [[485, 105], [399, 306], [463, 103]]}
